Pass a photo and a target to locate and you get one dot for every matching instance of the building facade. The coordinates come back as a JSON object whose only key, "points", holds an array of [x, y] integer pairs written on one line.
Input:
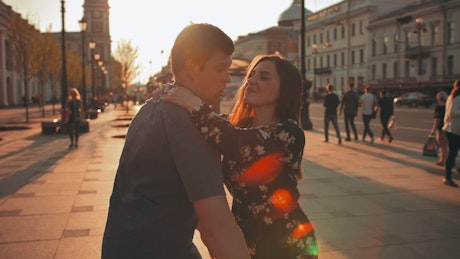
{"points": [[12, 90], [399, 44], [416, 47]]}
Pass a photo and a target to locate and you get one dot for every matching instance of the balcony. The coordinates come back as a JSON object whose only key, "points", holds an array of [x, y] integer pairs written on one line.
{"points": [[414, 52], [322, 71]]}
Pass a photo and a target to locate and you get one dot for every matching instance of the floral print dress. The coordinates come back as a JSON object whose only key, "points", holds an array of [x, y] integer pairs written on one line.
{"points": [[261, 168]]}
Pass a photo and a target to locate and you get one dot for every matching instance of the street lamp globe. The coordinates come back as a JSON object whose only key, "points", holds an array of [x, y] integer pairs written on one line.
{"points": [[83, 24]]}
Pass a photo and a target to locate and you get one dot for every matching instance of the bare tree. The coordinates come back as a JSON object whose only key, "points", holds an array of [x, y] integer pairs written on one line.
{"points": [[127, 55], [45, 61], [24, 37]]}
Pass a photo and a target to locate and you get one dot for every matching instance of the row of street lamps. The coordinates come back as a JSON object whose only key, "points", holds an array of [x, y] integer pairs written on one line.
{"points": [[97, 72]]}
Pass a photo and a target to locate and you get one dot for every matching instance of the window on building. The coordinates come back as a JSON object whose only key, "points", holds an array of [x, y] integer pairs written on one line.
{"points": [[408, 38], [373, 70], [314, 38], [361, 27], [450, 32], [314, 63], [434, 68], [335, 59], [320, 38], [308, 64], [328, 64], [9, 55], [342, 81], [351, 80], [352, 29], [385, 45], [384, 71], [335, 34], [342, 57], [422, 38], [396, 43], [352, 57], [360, 81], [395, 69], [308, 42], [435, 35], [450, 65], [374, 48], [361, 56], [327, 36], [321, 61], [343, 31], [97, 27], [407, 69]]}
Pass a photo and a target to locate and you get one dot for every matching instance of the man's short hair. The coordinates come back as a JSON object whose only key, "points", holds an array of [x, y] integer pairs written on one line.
{"points": [[198, 42], [330, 87]]}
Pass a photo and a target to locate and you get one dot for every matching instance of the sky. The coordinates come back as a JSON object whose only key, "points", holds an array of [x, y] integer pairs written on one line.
{"points": [[152, 25]]}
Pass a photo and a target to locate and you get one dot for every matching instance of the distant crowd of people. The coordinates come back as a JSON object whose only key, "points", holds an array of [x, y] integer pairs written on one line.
{"points": [[446, 125], [349, 105]]}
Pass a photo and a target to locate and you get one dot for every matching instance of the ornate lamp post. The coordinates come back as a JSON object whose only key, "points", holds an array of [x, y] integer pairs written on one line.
{"points": [[306, 122], [92, 46], [100, 64], [83, 25], [64, 68], [419, 28]]}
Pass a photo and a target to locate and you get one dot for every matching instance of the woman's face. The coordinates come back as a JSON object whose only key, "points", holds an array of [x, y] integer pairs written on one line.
{"points": [[263, 86]]}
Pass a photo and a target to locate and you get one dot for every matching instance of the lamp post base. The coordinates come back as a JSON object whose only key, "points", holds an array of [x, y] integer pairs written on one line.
{"points": [[305, 117]]}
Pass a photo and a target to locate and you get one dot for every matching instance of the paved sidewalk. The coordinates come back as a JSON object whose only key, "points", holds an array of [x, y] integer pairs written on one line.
{"points": [[365, 201]]}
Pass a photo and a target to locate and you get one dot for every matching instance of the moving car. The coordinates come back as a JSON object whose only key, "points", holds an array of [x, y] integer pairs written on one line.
{"points": [[414, 99]]}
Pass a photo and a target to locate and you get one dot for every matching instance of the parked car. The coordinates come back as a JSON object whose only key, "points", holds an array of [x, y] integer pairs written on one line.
{"points": [[414, 99]]}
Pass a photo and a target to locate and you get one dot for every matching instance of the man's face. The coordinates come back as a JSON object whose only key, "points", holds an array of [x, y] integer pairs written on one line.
{"points": [[211, 80]]}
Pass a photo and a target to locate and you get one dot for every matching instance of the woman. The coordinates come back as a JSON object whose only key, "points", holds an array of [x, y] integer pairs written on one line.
{"points": [[438, 123], [76, 111], [262, 146], [452, 129]]}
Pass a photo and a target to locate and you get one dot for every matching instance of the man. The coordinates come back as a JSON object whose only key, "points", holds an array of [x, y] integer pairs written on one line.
{"points": [[386, 107], [168, 178], [350, 101], [368, 102], [331, 102]]}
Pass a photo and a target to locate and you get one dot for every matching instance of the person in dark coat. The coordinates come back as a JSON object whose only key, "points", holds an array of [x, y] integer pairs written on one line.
{"points": [[386, 108], [331, 102], [349, 105]]}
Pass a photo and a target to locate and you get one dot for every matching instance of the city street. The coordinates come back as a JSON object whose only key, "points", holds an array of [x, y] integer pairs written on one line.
{"points": [[413, 124], [365, 201]]}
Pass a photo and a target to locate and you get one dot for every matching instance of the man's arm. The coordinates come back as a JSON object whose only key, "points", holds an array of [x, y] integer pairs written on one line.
{"points": [[199, 167], [218, 229]]}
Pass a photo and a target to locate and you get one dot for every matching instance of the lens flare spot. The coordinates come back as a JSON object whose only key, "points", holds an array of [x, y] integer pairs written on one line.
{"points": [[302, 230], [281, 199], [263, 171]]}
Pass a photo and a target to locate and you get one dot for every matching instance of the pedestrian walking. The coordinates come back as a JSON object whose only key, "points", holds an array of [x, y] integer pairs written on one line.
{"points": [[76, 112], [452, 129], [331, 102], [349, 106], [368, 102], [386, 107], [169, 179], [438, 123]]}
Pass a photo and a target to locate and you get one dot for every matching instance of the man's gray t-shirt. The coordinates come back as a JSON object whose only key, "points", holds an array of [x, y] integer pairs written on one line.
{"points": [[165, 166]]}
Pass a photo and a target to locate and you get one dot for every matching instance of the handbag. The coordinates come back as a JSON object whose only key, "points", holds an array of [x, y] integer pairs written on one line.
{"points": [[65, 116], [431, 147]]}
